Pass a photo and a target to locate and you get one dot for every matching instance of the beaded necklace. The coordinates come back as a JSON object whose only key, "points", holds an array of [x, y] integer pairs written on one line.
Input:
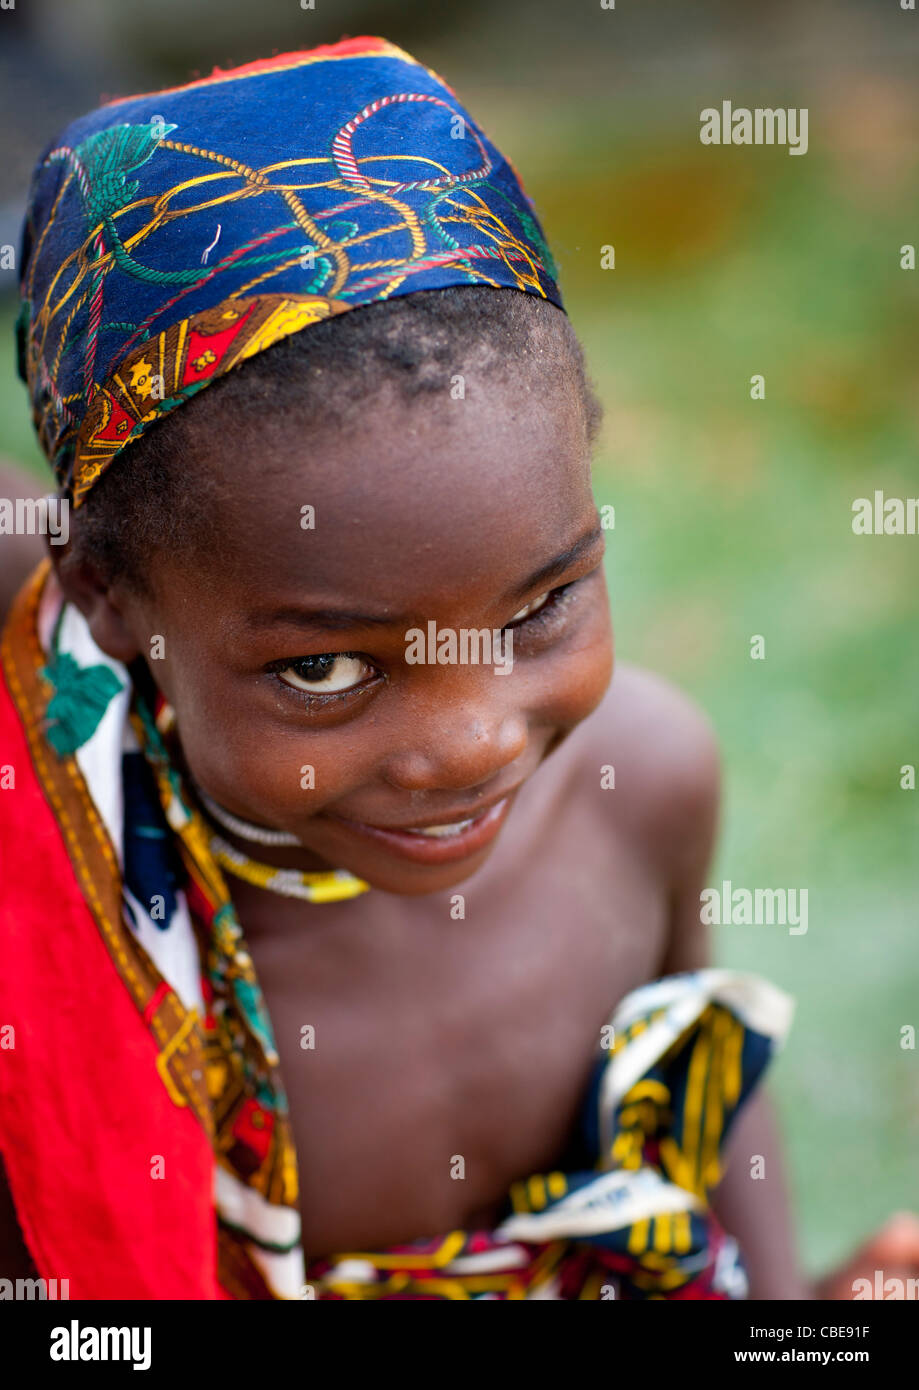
{"points": [[328, 886], [332, 886]]}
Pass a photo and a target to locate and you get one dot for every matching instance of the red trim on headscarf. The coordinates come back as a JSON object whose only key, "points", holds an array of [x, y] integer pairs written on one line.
{"points": [[342, 49], [369, 46]]}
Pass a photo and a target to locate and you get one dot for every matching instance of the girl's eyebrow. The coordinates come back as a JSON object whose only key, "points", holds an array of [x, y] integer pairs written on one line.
{"points": [[322, 617], [342, 618], [557, 567]]}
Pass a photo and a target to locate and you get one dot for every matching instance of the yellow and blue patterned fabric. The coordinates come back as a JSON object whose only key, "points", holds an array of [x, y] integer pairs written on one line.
{"points": [[628, 1214]]}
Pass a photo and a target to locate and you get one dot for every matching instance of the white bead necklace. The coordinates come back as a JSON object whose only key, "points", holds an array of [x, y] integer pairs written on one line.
{"points": [[257, 834]]}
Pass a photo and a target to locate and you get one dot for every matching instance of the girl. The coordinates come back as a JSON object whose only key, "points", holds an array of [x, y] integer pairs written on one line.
{"points": [[310, 945]]}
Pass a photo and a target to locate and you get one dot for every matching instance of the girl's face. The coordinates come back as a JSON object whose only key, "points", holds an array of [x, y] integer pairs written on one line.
{"points": [[287, 645]]}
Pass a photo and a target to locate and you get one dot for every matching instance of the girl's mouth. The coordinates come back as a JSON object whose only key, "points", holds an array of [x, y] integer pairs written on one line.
{"points": [[435, 844]]}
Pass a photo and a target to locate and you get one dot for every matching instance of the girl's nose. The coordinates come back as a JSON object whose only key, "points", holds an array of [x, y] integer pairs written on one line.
{"points": [[457, 750]]}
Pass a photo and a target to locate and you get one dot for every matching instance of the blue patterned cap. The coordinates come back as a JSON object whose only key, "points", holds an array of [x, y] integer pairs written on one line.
{"points": [[172, 235]]}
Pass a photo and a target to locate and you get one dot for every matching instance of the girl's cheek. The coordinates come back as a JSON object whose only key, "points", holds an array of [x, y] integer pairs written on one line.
{"points": [[580, 678], [283, 777]]}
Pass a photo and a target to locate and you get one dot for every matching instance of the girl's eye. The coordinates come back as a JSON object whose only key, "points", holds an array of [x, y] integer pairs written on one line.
{"points": [[531, 608], [327, 673]]}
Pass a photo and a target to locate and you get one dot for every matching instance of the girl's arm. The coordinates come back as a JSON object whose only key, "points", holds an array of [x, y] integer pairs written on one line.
{"points": [[756, 1210]]}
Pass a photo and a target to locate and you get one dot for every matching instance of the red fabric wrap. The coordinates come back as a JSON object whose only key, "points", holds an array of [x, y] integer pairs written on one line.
{"points": [[83, 1110]]}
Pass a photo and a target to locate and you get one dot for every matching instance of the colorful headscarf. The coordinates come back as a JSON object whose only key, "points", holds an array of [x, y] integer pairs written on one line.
{"points": [[172, 235]]}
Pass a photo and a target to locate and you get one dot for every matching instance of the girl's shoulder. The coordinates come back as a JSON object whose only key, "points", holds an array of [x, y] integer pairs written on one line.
{"points": [[657, 744]]}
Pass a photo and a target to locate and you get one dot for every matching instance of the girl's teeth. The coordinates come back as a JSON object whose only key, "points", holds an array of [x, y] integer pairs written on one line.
{"points": [[437, 830]]}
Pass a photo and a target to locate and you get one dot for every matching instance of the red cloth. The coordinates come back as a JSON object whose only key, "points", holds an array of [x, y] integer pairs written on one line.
{"points": [[81, 1119]]}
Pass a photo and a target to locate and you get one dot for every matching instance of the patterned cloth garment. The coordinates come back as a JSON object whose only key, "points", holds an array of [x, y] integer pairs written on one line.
{"points": [[172, 235], [145, 1039]]}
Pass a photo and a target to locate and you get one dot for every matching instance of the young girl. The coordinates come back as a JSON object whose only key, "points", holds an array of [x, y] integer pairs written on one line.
{"points": [[345, 909]]}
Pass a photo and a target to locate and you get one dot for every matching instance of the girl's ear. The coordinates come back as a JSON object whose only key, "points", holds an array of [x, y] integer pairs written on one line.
{"points": [[83, 585]]}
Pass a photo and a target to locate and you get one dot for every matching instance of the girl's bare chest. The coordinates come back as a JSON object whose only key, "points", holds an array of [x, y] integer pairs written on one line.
{"points": [[435, 1050]]}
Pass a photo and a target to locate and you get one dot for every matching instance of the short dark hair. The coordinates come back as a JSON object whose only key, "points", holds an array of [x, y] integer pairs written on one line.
{"points": [[415, 343]]}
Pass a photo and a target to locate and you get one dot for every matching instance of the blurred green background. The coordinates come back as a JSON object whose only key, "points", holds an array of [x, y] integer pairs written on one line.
{"points": [[733, 516]]}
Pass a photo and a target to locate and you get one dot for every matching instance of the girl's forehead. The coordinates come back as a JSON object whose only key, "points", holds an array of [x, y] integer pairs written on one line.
{"points": [[434, 461], [407, 497]]}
